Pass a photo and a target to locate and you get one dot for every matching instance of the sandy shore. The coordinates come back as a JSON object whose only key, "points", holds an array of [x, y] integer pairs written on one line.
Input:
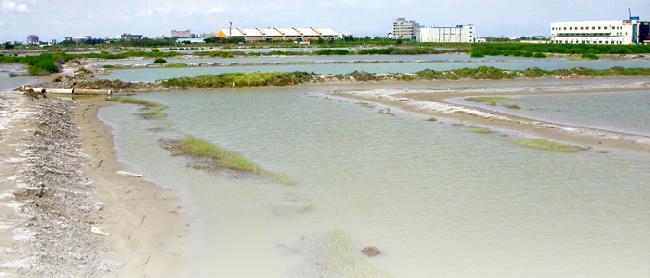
{"points": [[435, 102], [148, 225], [65, 212]]}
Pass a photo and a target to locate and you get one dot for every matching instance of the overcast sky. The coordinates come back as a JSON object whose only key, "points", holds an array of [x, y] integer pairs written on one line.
{"points": [[55, 19]]}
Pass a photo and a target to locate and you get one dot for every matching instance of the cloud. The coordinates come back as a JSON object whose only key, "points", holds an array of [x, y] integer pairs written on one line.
{"points": [[13, 7]]}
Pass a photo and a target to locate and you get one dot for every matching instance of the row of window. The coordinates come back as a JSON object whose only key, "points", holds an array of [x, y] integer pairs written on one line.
{"points": [[587, 42], [587, 28], [590, 34]]}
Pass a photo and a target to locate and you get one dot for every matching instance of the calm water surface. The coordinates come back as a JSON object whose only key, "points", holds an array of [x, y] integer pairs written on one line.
{"points": [[374, 64], [438, 200], [627, 112], [7, 82]]}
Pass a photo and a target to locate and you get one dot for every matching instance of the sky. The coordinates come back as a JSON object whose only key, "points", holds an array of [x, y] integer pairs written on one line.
{"points": [[55, 19]]}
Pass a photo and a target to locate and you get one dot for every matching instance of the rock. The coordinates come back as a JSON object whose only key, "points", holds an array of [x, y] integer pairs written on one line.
{"points": [[371, 251], [128, 174], [98, 231]]}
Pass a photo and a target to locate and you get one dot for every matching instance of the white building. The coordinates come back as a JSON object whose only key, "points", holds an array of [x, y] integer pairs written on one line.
{"points": [[273, 34], [404, 29], [458, 33], [618, 32]]}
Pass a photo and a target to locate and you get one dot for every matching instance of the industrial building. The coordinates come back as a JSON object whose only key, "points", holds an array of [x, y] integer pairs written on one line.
{"points": [[181, 34], [458, 33], [617, 32], [275, 34], [404, 29]]}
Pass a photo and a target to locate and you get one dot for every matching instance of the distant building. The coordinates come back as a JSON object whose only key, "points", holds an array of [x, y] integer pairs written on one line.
{"points": [[208, 35], [189, 40], [181, 34], [275, 34], [404, 29], [617, 32], [32, 40], [129, 37], [458, 33]]}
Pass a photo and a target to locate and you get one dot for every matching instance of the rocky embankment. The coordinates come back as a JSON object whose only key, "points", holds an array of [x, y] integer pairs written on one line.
{"points": [[56, 235]]}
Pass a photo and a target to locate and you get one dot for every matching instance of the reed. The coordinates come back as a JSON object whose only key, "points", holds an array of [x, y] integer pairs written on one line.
{"points": [[223, 158], [546, 145]]}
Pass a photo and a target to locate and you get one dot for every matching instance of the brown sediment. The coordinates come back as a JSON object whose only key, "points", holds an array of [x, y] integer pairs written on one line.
{"points": [[148, 224], [563, 133]]}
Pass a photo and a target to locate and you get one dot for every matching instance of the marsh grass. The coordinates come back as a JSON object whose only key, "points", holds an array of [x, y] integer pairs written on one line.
{"points": [[489, 100], [481, 130], [223, 158], [512, 106], [546, 145], [153, 110], [341, 258], [304, 208]]}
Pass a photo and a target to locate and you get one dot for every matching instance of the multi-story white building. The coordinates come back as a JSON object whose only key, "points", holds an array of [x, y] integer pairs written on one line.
{"points": [[404, 29], [617, 32], [458, 33]]}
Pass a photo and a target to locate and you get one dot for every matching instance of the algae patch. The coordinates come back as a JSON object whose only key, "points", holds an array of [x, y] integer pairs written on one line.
{"points": [[481, 130], [546, 145], [153, 110], [222, 158]]}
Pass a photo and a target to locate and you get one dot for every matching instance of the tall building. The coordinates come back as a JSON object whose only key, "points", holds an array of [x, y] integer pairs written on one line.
{"points": [[32, 40], [181, 34], [617, 32], [458, 33], [404, 29]]}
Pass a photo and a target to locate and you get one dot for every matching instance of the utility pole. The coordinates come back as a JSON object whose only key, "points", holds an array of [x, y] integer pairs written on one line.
{"points": [[230, 28]]}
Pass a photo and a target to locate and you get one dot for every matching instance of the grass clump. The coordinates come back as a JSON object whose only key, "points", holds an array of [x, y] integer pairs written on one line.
{"points": [[490, 100], [153, 110], [512, 106], [481, 130], [546, 145], [341, 258], [223, 158]]}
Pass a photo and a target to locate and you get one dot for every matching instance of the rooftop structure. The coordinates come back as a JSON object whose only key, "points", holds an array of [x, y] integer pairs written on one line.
{"points": [[294, 33]]}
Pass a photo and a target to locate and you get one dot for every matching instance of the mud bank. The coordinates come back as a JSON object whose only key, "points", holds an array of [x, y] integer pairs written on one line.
{"points": [[65, 211], [437, 103]]}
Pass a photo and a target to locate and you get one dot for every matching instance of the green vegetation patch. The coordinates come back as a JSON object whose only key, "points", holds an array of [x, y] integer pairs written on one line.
{"points": [[223, 158], [481, 130], [153, 110], [495, 100], [236, 80], [546, 145]]}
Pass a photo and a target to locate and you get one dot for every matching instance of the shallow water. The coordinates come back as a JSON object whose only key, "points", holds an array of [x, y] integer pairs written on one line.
{"points": [[437, 200], [445, 62], [8, 82], [627, 112]]}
